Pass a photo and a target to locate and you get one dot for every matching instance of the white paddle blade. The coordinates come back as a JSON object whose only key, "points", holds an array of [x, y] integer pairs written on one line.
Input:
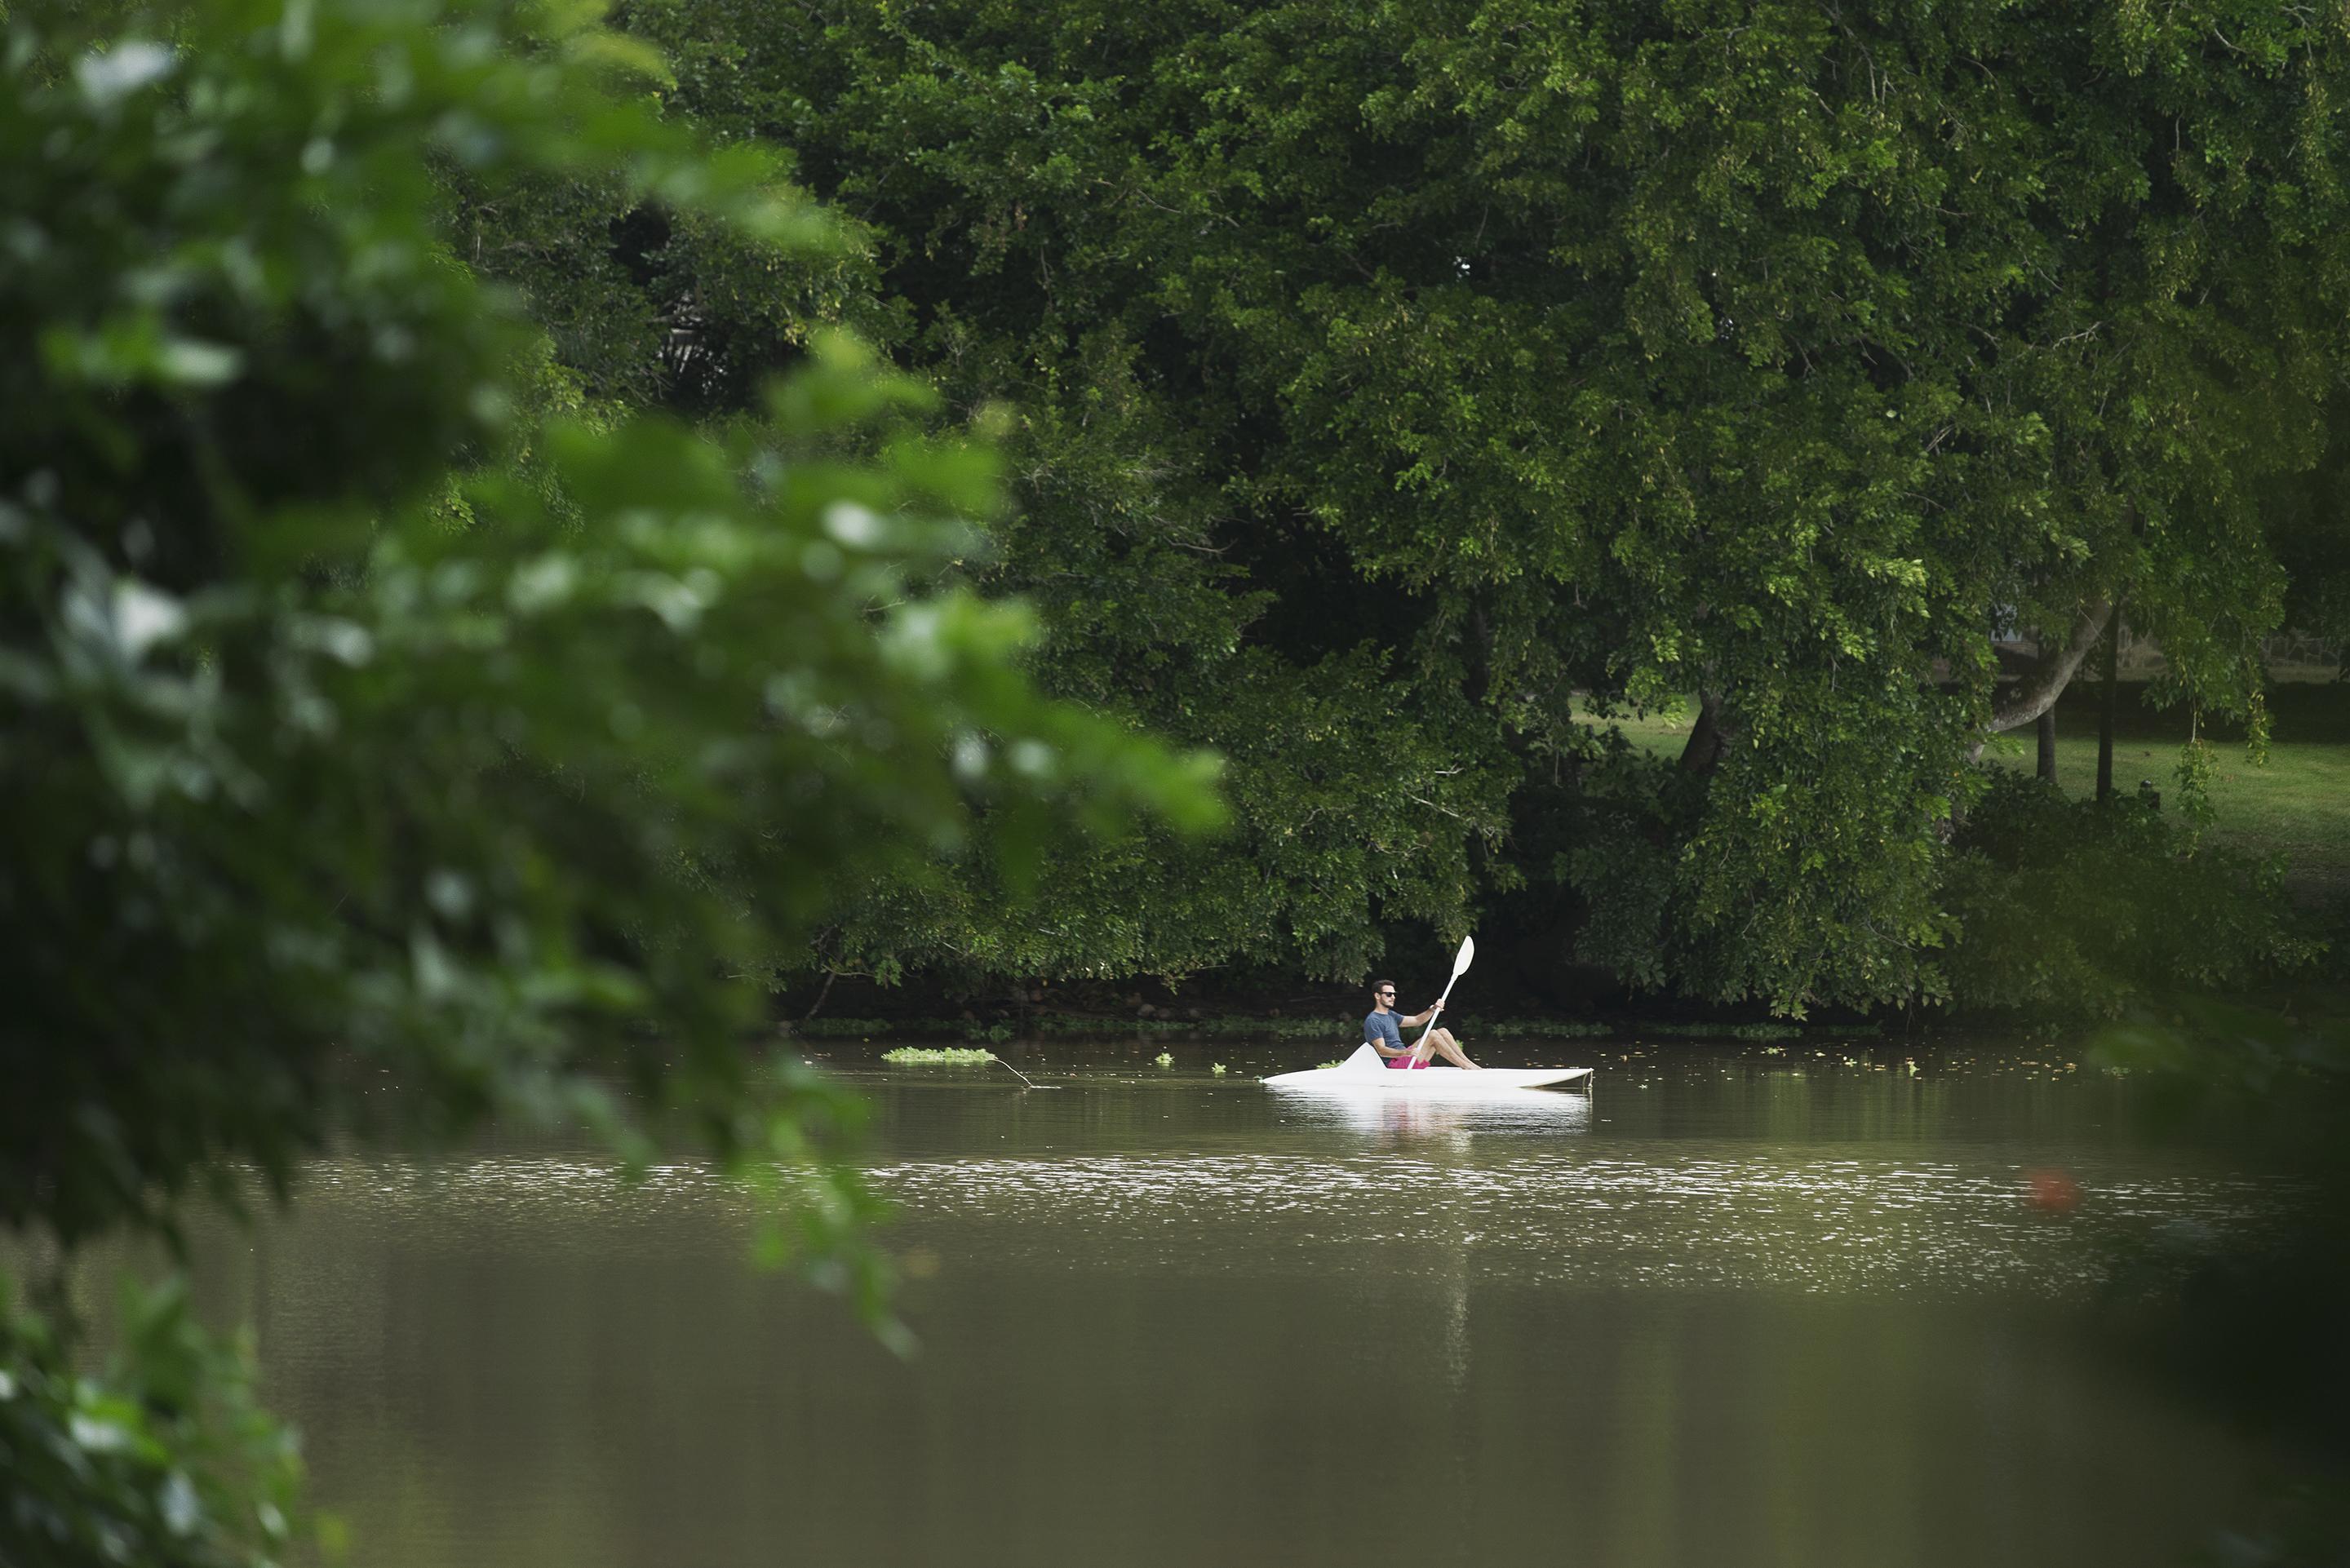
{"points": [[1467, 955]]}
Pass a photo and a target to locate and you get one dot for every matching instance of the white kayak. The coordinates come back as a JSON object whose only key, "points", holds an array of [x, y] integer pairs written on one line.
{"points": [[1366, 1072]]}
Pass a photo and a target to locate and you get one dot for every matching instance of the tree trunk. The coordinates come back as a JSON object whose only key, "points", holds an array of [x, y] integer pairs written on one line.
{"points": [[1478, 680], [2046, 726], [2111, 708], [1707, 740], [817, 1005]]}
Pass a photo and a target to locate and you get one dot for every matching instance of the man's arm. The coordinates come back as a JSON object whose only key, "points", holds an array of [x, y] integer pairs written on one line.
{"points": [[1417, 1019]]}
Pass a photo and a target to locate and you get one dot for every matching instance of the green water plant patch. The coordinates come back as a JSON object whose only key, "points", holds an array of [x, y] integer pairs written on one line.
{"points": [[948, 1055]]}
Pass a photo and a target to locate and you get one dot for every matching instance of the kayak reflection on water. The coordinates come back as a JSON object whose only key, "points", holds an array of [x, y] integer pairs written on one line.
{"points": [[1410, 1118]]}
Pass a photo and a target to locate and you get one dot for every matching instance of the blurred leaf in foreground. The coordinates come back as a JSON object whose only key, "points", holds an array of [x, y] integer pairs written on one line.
{"points": [[331, 742]]}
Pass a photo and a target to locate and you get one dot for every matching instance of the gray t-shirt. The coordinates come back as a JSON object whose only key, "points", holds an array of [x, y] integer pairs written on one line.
{"points": [[1384, 1025]]}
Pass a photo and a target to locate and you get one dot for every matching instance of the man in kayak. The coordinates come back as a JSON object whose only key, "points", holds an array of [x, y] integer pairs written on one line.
{"points": [[1383, 1032]]}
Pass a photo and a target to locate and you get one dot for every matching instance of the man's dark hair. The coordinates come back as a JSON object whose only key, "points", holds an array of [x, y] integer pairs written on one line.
{"points": [[1379, 985]]}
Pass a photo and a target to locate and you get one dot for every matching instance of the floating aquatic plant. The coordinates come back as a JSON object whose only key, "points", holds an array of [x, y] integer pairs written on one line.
{"points": [[954, 1055]]}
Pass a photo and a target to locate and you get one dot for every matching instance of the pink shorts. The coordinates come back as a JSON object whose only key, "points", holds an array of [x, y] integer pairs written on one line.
{"points": [[1405, 1063]]}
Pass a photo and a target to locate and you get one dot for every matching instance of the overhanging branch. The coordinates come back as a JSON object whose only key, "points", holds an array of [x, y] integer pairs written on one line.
{"points": [[2040, 689]]}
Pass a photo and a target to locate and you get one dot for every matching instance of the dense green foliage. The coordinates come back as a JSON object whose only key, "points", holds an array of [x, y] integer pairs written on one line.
{"points": [[164, 1460], [367, 717], [1375, 387], [2068, 906]]}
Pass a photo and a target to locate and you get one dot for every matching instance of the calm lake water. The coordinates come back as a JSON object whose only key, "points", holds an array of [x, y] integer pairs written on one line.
{"points": [[1731, 1308]]}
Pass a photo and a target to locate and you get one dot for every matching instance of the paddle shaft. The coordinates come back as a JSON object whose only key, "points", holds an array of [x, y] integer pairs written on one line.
{"points": [[1438, 1010]]}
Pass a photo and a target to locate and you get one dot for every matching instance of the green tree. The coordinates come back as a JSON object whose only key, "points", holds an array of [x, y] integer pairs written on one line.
{"points": [[354, 718], [1460, 357]]}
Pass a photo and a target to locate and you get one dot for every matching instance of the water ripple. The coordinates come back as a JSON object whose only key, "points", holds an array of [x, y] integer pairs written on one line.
{"points": [[1810, 1224], [1652, 1214]]}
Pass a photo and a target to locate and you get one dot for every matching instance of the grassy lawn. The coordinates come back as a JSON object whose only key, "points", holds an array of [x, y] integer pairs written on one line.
{"points": [[2297, 803], [1662, 734]]}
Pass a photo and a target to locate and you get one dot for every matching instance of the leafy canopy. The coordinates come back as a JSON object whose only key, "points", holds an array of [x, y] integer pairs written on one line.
{"points": [[1379, 384]]}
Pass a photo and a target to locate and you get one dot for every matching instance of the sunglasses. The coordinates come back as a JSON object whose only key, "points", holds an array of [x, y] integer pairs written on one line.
{"points": [[1387, 992]]}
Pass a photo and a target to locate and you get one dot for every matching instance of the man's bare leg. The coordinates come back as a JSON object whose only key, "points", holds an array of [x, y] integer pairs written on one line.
{"points": [[1450, 1049]]}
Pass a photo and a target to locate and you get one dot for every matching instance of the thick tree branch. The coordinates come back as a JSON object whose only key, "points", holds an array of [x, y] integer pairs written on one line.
{"points": [[2039, 691]]}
